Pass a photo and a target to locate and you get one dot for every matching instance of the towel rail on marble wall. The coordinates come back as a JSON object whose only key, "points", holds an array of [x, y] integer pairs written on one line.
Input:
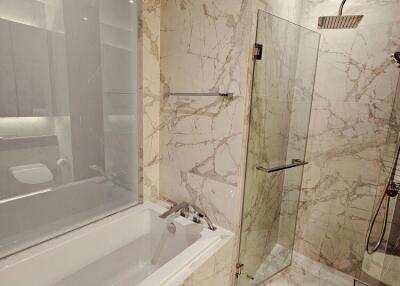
{"points": [[295, 163], [222, 94]]}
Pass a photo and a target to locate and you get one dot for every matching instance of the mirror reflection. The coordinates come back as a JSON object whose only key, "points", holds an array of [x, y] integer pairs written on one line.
{"points": [[68, 115]]}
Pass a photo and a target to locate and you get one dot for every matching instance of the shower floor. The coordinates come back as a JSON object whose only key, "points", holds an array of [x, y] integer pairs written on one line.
{"points": [[306, 272], [278, 258]]}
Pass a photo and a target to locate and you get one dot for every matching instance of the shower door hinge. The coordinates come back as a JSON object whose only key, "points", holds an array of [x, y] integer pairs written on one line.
{"points": [[239, 268], [258, 51]]}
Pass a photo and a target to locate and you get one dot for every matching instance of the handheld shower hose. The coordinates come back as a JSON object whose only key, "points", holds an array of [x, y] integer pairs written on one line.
{"points": [[391, 190]]}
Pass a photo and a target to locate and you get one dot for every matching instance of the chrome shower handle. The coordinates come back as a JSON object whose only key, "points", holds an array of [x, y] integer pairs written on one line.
{"points": [[395, 58]]}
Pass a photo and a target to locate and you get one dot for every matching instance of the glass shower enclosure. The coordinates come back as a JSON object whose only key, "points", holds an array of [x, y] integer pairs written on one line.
{"points": [[283, 83]]}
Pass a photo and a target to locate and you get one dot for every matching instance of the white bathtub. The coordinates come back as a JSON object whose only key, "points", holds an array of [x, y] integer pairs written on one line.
{"points": [[133, 247]]}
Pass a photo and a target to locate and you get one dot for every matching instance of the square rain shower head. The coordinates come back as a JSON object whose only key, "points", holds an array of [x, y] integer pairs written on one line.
{"points": [[339, 22]]}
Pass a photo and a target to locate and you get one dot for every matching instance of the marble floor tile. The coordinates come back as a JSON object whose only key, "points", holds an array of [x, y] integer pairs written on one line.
{"points": [[278, 259], [306, 272]]}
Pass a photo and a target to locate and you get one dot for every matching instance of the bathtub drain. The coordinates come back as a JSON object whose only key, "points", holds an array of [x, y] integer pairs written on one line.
{"points": [[171, 228]]}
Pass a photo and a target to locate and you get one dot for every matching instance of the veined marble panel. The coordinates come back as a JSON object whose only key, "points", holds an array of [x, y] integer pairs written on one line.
{"points": [[354, 91], [205, 45], [151, 17], [205, 49], [216, 271], [383, 265], [290, 10], [203, 136], [217, 199], [305, 271]]}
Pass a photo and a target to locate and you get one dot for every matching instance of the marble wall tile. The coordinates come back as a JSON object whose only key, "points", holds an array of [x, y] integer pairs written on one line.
{"points": [[205, 45], [216, 270], [354, 91], [218, 200], [205, 48], [203, 136], [290, 10], [305, 271], [383, 265], [150, 25]]}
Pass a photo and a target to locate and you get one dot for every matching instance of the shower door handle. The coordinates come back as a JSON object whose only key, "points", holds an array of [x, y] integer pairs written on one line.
{"points": [[295, 163]]}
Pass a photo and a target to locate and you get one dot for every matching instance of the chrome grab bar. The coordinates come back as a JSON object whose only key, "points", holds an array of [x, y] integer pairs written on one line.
{"points": [[295, 163]]}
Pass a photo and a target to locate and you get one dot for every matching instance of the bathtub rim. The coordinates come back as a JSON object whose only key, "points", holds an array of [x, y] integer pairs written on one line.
{"points": [[178, 268]]}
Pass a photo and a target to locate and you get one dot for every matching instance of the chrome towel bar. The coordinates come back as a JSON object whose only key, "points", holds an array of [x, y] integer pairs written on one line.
{"points": [[223, 94], [295, 163]]}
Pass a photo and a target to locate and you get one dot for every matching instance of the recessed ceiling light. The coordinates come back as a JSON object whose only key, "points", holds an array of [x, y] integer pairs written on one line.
{"points": [[131, 1], [85, 18]]}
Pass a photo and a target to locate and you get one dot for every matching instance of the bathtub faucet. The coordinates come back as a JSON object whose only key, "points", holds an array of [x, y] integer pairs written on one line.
{"points": [[200, 213], [182, 208], [185, 208]]}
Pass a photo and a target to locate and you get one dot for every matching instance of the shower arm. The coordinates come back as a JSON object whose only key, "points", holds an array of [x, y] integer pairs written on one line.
{"points": [[341, 7]]}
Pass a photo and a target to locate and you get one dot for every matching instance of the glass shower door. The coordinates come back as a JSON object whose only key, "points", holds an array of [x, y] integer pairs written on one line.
{"points": [[280, 111]]}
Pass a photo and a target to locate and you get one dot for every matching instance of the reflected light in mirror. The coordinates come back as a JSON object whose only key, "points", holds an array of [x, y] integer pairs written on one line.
{"points": [[25, 126], [44, 14]]}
